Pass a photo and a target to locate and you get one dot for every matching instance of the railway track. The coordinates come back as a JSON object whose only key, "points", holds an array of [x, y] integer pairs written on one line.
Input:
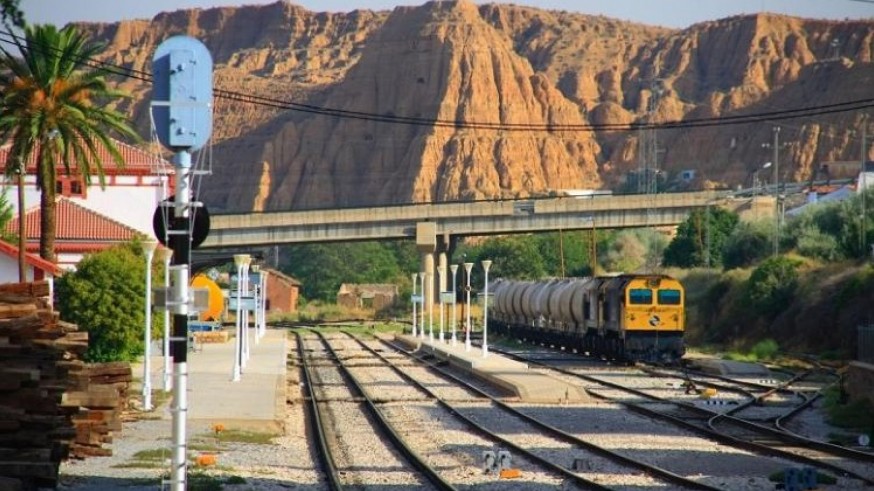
{"points": [[371, 458], [730, 430], [599, 461]]}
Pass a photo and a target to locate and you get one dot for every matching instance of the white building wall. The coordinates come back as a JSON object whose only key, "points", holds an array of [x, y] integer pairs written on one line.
{"points": [[9, 270], [125, 202]]}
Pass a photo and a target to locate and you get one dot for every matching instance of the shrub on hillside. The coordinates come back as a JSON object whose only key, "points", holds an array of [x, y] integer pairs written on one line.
{"points": [[813, 243], [771, 285]]}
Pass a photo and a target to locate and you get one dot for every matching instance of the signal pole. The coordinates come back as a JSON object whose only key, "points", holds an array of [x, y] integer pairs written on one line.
{"points": [[182, 111]]}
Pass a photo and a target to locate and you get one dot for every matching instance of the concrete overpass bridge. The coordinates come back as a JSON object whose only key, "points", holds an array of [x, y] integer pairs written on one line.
{"points": [[428, 223]]}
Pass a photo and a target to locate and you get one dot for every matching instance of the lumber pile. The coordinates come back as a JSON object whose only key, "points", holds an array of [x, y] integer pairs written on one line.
{"points": [[52, 404]]}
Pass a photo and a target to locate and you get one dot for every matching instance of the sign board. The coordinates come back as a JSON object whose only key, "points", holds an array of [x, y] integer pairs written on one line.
{"points": [[447, 297], [246, 303], [416, 298]]}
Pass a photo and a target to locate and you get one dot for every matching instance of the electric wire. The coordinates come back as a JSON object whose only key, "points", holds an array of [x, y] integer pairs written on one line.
{"points": [[282, 104]]}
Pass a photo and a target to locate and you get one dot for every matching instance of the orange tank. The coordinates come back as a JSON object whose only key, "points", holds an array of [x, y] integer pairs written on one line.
{"points": [[215, 307]]}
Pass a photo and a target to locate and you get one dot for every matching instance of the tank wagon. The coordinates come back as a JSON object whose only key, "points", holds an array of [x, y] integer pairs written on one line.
{"points": [[626, 318]]}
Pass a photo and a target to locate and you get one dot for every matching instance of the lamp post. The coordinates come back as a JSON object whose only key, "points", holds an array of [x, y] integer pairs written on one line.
{"points": [[256, 290], [440, 274], [422, 312], [415, 277], [454, 269], [467, 268], [239, 260], [245, 312], [486, 265], [166, 254], [775, 146], [430, 294], [149, 247]]}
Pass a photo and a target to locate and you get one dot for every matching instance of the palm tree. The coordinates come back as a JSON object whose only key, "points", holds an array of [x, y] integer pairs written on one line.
{"points": [[55, 106]]}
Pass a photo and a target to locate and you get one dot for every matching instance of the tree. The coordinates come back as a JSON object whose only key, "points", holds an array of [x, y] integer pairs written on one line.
{"points": [[55, 106], [700, 238], [105, 296], [10, 12], [749, 243]]}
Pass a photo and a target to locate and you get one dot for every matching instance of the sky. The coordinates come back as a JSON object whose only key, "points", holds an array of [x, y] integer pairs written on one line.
{"points": [[670, 13]]}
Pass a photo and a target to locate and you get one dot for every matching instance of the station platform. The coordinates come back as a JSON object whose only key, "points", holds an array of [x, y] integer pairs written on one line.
{"points": [[254, 403], [729, 367], [509, 375]]}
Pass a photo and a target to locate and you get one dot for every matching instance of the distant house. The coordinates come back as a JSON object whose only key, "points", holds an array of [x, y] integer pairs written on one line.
{"points": [[282, 291], [79, 231], [367, 296]]}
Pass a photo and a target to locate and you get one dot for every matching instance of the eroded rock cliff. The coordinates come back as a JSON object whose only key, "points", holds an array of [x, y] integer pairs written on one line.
{"points": [[456, 63]]}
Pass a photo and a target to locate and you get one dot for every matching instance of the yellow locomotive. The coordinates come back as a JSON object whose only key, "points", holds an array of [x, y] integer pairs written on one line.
{"points": [[625, 317]]}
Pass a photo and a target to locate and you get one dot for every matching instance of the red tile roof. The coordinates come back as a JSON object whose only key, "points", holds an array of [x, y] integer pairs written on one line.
{"points": [[137, 161], [75, 223]]}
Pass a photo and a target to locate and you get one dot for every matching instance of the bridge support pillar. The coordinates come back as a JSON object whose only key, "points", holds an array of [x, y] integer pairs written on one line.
{"points": [[426, 243]]}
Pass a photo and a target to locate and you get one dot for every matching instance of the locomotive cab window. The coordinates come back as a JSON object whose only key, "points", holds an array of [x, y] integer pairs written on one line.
{"points": [[669, 297], [640, 296]]}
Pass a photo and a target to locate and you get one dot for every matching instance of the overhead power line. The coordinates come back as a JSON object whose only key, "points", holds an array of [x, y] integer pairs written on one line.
{"points": [[282, 104]]}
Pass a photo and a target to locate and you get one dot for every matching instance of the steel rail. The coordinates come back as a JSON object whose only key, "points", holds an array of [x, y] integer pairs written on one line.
{"points": [[554, 432], [412, 457], [830, 449], [325, 456]]}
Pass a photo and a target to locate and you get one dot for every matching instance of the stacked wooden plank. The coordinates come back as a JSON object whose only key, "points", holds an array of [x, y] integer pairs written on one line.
{"points": [[100, 392], [50, 400]]}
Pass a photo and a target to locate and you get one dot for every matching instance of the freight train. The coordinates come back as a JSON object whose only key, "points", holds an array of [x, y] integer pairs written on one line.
{"points": [[626, 318]]}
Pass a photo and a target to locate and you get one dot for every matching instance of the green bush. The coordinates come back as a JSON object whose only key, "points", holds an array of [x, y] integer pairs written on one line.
{"points": [[765, 350], [105, 296], [772, 284]]}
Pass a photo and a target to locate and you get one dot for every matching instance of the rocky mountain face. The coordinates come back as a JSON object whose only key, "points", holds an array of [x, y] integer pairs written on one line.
{"points": [[450, 100]]}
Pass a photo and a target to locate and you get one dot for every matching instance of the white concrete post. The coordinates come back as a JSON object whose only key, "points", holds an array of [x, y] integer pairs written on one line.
{"points": [[454, 269], [415, 277], [440, 275], [149, 248], [486, 265], [166, 254], [422, 324]]}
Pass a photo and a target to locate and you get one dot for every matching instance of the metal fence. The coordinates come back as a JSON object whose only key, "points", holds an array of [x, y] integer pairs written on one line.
{"points": [[865, 345]]}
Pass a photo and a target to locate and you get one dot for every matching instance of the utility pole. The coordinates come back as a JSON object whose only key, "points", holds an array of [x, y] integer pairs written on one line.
{"points": [[863, 185], [775, 146]]}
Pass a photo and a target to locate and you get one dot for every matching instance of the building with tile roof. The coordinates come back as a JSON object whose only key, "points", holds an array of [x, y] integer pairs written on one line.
{"points": [[80, 231], [131, 193]]}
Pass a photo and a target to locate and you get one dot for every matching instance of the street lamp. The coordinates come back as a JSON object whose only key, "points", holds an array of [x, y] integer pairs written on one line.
{"points": [[245, 312], [467, 268], [486, 265], [149, 246], [422, 311], [415, 277], [440, 288], [239, 260], [430, 294], [257, 294], [166, 254], [454, 269]]}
